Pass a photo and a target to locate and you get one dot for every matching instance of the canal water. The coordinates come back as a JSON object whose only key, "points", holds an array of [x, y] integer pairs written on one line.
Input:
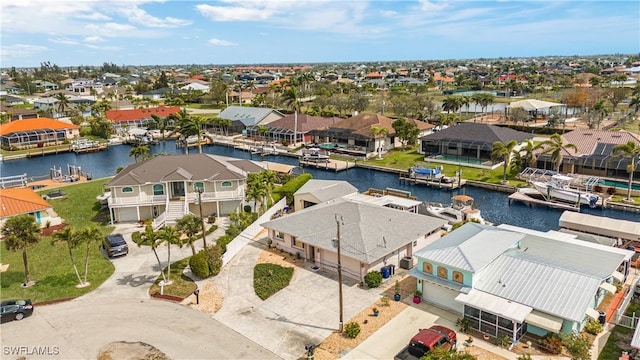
{"points": [[494, 205]]}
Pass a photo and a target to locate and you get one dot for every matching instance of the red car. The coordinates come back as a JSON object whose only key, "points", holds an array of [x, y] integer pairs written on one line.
{"points": [[426, 340]]}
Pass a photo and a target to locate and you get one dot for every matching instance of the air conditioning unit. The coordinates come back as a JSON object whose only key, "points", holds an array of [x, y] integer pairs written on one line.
{"points": [[406, 262]]}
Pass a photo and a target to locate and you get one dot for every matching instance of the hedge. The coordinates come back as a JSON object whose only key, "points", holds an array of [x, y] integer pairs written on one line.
{"points": [[287, 190], [199, 265], [268, 279]]}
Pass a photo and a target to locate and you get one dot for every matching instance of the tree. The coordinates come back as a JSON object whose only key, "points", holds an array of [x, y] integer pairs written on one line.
{"points": [[616, 95], [578, 345], [406, 131], [63, 102], [190, 225], [629, 150], [379, 132], [189, 125], [161, 82], [291, 98], [601, 111], [67, 236], [170, 236], [451, 104], [359, 102], [263, 130], [503, 151], [484, 100], [20, 233], [556, 147], [90, 236], [518, 115], [528, 152], [151, 238], [160, 123], [140, 151]]}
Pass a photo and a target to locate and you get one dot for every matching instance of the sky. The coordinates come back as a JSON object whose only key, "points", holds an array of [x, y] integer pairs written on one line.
{"points": [[165, 32]]}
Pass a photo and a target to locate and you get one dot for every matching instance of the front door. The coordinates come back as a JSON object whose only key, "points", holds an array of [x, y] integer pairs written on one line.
{"points": [[312, 254], [177, 189]]}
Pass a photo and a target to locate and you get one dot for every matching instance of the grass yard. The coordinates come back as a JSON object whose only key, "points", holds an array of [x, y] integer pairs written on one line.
{"points": [[617, 343], [50, 265], [181, 285], [268, 279]]}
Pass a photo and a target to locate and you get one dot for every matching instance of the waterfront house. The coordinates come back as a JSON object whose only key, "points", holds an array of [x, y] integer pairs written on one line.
{"points": [[39, 132], [316, 191], [245, 116], [282, 130], [513, 281], [371, 236], [134, 118], [19, 201], [167, 187]]}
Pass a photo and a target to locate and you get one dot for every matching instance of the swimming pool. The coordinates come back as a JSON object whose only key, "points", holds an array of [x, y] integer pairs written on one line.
{"points": [[620, 184], [460, 159]]}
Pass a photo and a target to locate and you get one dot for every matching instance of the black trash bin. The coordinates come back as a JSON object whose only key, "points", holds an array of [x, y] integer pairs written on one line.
{"points": [[602, 317], [392, 269]]}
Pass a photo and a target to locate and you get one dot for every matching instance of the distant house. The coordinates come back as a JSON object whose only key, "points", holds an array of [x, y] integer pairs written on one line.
{"points": [[134, 118], [158, 94], [471, 143], [245, 116], [282, 130], [45, 85], [39, 132], [519, 283], [165, 188], [18, 114], [195, 86], [373, 236], [19, 201]]}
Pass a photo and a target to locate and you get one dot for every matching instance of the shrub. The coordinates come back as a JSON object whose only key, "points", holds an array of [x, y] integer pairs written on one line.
{"points": [[292, 186], [611, 191], [136, 237], [268, 279], [463, 324], [524, 357], [373, 279], [211, 219], [352, 329], [593, 327], [214, 259], [503, 341], [578, 346], [385, 301], [223, 241], [247, 208], [199, 265], [552, 343]]}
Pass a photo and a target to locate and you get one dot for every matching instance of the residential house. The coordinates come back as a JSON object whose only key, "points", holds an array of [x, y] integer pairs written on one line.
{"points": [[158, 94], [44, 85], [134, 118], [371, 236], [167, 187], [84, 87], [19, 201], [316, 191], [282, 130], [470, 143], [17, 113], [195, 86], [511, 281], [245, 116], [39, 132]]}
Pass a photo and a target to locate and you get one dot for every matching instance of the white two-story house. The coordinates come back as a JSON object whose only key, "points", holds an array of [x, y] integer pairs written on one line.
{"points": [[165, 188]]}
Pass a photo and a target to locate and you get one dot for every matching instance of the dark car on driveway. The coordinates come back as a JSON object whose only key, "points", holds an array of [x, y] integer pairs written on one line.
{"points": [[115, 245], [15, 310]]}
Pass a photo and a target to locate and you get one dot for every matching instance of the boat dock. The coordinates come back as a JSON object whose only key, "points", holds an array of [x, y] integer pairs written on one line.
{"points": [[530, 200], [433, 182], [335, 165]]}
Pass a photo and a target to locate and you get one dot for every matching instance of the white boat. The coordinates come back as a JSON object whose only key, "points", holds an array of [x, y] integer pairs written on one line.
{"points": [[264, 150], [84, 144], [315, 155], [460, 210], [559, 187]]}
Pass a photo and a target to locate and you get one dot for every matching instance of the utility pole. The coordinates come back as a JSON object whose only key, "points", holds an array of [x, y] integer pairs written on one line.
{"points": [[204, 232], [338, 221]]}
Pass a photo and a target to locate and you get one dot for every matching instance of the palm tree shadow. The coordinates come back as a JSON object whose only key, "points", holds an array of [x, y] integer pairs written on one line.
{"points": [[136, 280]]}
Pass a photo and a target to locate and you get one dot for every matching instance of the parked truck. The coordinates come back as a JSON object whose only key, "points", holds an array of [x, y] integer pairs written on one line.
{"points": [[426, 340]]}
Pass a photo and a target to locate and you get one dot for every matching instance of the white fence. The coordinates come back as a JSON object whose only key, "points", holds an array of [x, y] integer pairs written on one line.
{"points": [[249, 234], [620, 317]]}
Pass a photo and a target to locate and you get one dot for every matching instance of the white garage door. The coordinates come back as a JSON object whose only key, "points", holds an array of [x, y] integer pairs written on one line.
{"points": [[441, 296], [127, 214]]}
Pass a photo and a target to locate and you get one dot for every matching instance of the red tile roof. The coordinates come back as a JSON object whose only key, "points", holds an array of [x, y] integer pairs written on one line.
{"points": [[139, 114], [305, 122], [20, 201], [34, 124]]}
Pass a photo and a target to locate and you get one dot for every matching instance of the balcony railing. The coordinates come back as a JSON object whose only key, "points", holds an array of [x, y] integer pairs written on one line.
{"points": [[217, 195], [138, 200], [192, 197]]}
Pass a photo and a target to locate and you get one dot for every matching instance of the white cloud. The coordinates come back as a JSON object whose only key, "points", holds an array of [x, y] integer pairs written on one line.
{"points": [[63, 40], [103, 48], [111, 29], [234, 13], [138, 16], [94, 16], [21, 51], [93, 39], [219, 42]]}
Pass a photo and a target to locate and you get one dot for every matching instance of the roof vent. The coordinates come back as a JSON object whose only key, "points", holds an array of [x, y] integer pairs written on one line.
{"points": [[587, 134], [616, 136]]}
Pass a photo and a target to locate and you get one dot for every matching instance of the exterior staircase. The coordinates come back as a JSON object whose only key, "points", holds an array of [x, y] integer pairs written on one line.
{"points": [[175, 211]]}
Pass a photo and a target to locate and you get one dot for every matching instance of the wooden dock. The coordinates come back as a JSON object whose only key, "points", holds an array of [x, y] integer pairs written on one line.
{"points": [[529, 200], [457, 183], [331, 164]]}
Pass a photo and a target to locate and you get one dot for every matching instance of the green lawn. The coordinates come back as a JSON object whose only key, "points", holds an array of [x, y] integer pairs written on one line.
{"points": [[49, 264], [268, 279], [181, 285], [612, 349]]}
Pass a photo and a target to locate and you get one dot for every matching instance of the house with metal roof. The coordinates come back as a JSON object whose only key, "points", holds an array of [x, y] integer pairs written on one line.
{"points": [[372, 237], [471, 143], [19, 201], [242, 117], [316, 191], [514, 281], [38, 132], [165, 188]]}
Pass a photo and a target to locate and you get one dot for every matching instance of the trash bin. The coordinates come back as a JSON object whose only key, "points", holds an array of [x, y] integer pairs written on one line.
{"points": [[385, 272], [392, 269], [602, 318]]}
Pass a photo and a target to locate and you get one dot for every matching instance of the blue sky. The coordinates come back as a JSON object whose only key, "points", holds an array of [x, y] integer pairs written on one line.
{"points": [[149, 32]]}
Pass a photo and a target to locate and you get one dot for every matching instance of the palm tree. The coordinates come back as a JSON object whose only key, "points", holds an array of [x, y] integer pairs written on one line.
{"points": [[601, 111], [67, 236], [379, 132], [292, 99], [151, 238], [528, 152], [503, 151], [140, 151], [160, 123], [629, 150], [556, 147], [89, 236], [63, 102], [19, 233], [256, 190], [189, 225], [171, 236], [263, 131], [451, 104], [193, 125]]}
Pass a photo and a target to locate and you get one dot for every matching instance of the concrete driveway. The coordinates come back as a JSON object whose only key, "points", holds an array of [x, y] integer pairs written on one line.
{"points": [[306, 311], [120, 310]]}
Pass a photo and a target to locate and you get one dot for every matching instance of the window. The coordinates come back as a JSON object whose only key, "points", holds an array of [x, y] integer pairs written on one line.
{"points": [[127, 189], [489, 317], [471, 311], [158, 189], [226, 184], [458, 277], [427, 268], [199, 186], [443, 272], [297, 243], [279, 235]]}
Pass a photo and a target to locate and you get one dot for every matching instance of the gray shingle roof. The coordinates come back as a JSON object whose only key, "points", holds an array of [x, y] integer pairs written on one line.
{"points": [[325, 190], [479, 133], [369, 231], [192, 167], [247, 115]]}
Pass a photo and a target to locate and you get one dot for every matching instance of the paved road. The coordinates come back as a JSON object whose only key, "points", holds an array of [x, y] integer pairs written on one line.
{"points": [[120, 310]]}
